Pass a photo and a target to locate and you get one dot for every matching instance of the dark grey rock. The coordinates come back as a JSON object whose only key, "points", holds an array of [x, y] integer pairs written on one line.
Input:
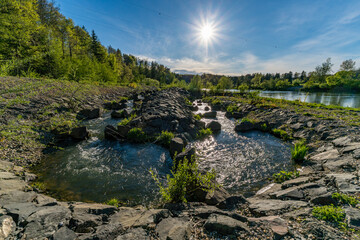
{"points": [[224, 225], [79, 133], [188, 153], [111, 133], [207, 108], [216, 196], [89, 113], [214, 126], [176, 146], [342, 141], [325, 199], [233, 202], [245, 126], [211, 114], [135, 233], [353, 216], [267, 207]]}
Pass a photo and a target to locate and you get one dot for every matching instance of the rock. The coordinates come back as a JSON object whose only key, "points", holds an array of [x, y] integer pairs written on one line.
{"points": [[276, 223], [194, 108], [356, 154], [342, 141], [134, 233], [339, 164], [326, 156], [7, 226], [295, 182], [325, 199], [207, 108], [176, 146], [216, 196], [232, 203], [353, 216], [211, 114], [7, 176], [174, 229], [64, 233], [214, 126], [266, 207], [86, 114], [117, 114], [130, 217], [123, 131], [6, 166], [188, 153], [17, 197], [107, 231], [79, 133], [322, 231], [351, 147], [10, 185], [29, 177], [111, 133], [294, 193], [113, 105], [245, 126], [297, 126], [224, 225]]}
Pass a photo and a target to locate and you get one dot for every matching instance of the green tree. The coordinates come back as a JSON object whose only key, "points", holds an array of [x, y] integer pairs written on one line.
{"points": [[348, 65], [225, 83]]}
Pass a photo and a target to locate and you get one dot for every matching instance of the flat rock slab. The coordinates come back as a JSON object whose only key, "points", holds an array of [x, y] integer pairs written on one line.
{"points": [[17, 197], [7, 175], [339, 164], [351, 147], [295, 182], [328, 155], [174, 228], [342, 141], [224, 224], [10, 185], [130, 217], [353, 216], [6, 166], [266, 207]]}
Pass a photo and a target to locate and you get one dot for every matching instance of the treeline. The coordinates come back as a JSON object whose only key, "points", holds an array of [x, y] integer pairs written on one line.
{"points": [[321, 79], [36, 40]]}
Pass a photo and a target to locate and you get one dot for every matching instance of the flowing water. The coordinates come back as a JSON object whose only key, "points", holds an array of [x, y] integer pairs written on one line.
{"points": [[98, 169]]}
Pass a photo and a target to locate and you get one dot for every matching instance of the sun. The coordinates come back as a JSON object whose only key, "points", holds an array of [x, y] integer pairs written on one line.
{"points": [[207, 32]]}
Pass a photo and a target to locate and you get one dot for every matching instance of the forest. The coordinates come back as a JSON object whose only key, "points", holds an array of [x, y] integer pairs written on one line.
{"points": [[36, 40]]}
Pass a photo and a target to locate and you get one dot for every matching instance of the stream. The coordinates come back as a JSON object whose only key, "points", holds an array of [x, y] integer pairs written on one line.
{"points": [[96, 170]]}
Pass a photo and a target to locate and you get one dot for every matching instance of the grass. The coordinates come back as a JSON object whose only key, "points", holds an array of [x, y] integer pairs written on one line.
{"points": [[184, 181], [126, 121], [232, 108], [281, 134], [299, 151], [114, 202], [165, 138], [283, 176], [137, 135], [204, 132], [345, 199], [330, 213], [247, 119]]}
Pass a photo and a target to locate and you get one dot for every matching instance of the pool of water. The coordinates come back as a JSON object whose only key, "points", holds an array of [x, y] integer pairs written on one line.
{"points": [[98, 169]]}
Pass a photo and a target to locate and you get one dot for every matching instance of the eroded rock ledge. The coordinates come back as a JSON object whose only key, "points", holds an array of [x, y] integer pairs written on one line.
{"points": [[273, 213]]}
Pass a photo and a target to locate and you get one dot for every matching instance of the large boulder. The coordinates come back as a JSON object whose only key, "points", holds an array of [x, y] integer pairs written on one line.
{"points": [[86, 114], [176, 146], [245, 126], [79, 133], [214, 126], [174, 229], [224, 225], [111, 133], [211, 114]]}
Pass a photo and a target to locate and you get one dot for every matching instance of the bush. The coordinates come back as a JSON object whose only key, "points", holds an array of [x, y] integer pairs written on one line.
{"points": [[246, 119], [281, 133], [165, 138], [345, 199], [185, 180], [114, 202], [282, 176], [204, 132], [231, 108], [264, 127], [299, 151], [329, 213], [136, 135], [197, 117], [125, 121]]}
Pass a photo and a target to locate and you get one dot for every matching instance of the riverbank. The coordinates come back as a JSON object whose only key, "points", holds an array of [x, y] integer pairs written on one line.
{"points": [[279, 211]]}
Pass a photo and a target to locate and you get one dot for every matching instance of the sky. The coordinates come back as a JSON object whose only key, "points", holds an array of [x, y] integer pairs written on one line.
{"points": [[245, 36]]}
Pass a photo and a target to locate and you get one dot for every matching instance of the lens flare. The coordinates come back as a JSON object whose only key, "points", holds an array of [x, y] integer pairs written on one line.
{"points": [[207, 32]]}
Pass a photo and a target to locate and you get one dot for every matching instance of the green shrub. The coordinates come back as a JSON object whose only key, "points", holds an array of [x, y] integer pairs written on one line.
{"points": [[299, 151], [282, 176], [281, 133], [185, 179], [329, 213], [264, 127], [187, 101], [136, 135], [345, 199], [125, 121], [204, 132], [232, 108], [165, 138], [197, 117], [114, 202]]}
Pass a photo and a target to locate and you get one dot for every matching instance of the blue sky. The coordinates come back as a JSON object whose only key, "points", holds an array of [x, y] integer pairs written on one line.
{"points": [[249, 36]]}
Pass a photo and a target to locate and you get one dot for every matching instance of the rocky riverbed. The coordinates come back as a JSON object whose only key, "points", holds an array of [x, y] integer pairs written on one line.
{"points": [[279, 211]]}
